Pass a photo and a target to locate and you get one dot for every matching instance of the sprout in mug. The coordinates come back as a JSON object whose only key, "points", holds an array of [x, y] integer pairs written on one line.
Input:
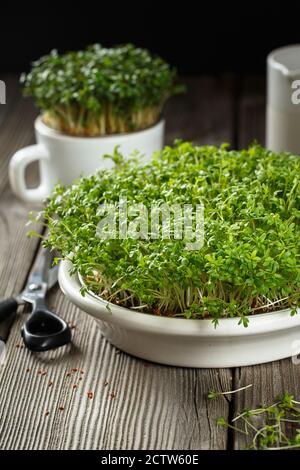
{"points": [[101, 91]]}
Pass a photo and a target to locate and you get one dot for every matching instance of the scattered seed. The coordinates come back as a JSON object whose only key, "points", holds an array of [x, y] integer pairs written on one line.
{"points": [[113, 395], [28, 370], [80, 378], [44, 373], [47, 413], [61, 408], [68, 374], [74, 386], [50, 383], [74, 370], [105, 384], [90, 395]]}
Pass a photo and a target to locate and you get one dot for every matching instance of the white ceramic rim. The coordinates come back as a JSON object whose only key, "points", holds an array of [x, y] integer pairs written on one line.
{"points": [[47, 131], [274, 63], [106, 311]]}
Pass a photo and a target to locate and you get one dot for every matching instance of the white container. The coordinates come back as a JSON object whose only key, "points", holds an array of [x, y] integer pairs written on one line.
{"points": [[283, 112], [188, 343], [63, 158]]}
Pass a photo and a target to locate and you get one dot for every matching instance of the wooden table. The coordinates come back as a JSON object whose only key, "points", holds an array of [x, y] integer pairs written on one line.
{"points": [[44, 400]]}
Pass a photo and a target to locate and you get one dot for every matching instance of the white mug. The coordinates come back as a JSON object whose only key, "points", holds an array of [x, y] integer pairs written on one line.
{"points": [[63, 158], [283, 111]]}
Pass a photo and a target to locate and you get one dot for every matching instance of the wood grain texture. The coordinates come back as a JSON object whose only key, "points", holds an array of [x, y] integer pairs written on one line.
{"points": [[273, 379], [135, 405], [204, 114], [16, 127], [16, 250], [251, 105], [269, 381]]}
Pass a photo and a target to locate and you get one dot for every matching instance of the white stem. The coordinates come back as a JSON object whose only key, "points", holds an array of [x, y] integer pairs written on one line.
{"points": [[237, 390]]}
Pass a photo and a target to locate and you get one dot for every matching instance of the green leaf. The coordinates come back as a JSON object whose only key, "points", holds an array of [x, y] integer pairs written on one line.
{"points": [[250, 260], [100, 91]]}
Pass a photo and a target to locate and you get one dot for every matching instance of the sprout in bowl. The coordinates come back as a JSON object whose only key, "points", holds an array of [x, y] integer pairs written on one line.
{"points": [[249, 260]]}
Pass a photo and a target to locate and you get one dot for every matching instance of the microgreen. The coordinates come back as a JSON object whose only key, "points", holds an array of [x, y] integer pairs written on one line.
{"points": [[100, 91], [249, 263], [213, 394], [269, 427]]}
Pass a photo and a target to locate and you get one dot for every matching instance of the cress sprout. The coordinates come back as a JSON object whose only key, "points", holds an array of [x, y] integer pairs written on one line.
{"points": [[100, 91], [249, 263], [268, 427]]}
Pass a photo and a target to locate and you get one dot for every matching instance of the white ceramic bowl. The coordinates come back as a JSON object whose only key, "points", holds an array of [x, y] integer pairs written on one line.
{"points": [[188, 343]]}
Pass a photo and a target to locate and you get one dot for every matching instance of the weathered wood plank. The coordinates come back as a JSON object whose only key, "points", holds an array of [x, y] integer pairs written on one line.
{"points": [[204, 113], [269, 381], [135, 405], [273, 379], [251, 111], [16, 250], [16, 131]]}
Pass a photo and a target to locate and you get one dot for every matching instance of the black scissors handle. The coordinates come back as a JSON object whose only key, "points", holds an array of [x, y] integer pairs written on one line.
{"points": [[44, 329], [9, 306]]}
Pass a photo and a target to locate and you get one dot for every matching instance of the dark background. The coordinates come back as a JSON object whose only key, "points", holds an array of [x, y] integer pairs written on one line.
{"points": [[220, 37]]}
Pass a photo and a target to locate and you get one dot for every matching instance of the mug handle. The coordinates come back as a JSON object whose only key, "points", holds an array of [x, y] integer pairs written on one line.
{"points": [[17, 167]]}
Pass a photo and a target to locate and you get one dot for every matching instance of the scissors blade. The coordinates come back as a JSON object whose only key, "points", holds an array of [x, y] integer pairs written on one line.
{"points": [[52, 277], [38, 280]]}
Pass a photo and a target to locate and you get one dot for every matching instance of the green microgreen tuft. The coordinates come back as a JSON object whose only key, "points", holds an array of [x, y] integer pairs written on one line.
{"points": [[100, 91], [249, 263], [269, 427]]}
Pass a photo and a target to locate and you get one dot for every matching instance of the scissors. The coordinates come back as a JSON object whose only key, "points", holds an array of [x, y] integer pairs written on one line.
{"points": [[43, 330]]}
